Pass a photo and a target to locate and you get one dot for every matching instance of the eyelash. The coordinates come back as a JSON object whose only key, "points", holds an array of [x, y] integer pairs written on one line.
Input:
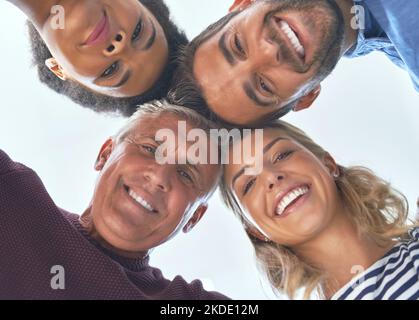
{"points": [[283, 156], [264, 86], [238, 46], [111, 70], [183, 173], [248, 186], [137, 32], [149, 149]]}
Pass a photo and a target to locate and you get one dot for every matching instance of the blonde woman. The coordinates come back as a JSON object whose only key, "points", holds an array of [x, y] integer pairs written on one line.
{"points": [[315, 225]]}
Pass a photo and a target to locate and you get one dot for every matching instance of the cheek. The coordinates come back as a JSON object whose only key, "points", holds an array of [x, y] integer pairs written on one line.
{"points": [[326, 194], [55, 45], [257, 206], [177, 207], [179, 200], [160, 53]]}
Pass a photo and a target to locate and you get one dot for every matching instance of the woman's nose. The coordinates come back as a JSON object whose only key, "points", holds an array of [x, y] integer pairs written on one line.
{"points": [[117, 44], [273, 180]]}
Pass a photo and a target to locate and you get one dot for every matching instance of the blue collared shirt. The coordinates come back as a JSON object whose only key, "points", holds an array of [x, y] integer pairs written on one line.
{"points": [[392, 27]]}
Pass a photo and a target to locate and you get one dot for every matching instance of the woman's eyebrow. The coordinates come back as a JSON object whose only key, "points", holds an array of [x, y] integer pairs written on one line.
{"points": [[272, 143], [152, 38], [124, 80]]}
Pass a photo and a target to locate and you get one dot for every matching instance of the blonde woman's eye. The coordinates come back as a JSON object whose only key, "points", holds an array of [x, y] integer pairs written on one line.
{"points": [[248, 186], [283, 156]]}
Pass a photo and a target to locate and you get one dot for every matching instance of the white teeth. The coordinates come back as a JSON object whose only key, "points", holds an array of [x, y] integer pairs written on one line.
{"points": [[290, 197], [285, 27], [140, 200]]}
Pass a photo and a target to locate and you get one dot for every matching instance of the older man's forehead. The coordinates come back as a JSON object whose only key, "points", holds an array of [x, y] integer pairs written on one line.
{"points": [[186, 134]]}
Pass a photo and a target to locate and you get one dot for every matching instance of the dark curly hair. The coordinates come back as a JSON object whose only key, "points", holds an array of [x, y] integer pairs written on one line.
{"points": [[102, 103]]}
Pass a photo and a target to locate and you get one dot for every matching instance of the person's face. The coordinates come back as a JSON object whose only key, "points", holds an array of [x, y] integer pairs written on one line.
{"points": [[115, 48], [138, 203], [272, 53], [294, 198]]}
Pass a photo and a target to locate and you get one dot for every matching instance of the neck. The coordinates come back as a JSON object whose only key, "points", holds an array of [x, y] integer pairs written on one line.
{"points": [[87, 223], [37, 11], [341, 252], [351, 34]]}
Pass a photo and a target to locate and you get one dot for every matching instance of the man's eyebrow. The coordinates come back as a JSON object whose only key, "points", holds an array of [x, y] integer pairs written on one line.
{"points": [[224, 50], [265, 150], [250, 92], [152, 38], [124, 80]]}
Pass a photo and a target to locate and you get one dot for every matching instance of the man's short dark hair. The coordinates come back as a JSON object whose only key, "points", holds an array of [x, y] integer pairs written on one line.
{"points": [[186, 90], [102, 103]]}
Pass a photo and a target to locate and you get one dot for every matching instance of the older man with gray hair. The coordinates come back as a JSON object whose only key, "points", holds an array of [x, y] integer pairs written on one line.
{"points": [[138, 204]]}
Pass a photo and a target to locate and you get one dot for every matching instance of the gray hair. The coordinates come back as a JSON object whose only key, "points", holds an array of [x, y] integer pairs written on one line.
{"points": [[157, 108]]}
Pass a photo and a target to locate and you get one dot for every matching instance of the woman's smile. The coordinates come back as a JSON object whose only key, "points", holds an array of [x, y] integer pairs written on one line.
{"points": [[288, 202]]}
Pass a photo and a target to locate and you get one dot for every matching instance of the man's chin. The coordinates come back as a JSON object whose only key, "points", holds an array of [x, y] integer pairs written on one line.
{"points": [[123, 247]]}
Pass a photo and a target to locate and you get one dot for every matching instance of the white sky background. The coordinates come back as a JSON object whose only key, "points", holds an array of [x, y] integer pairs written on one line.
{"points": [[368, 114]]}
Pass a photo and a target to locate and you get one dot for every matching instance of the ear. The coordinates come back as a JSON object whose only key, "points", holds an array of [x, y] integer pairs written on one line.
{"points": [[331, 165], [104, 154], [55, 68], [240, 5], [197, 216], [306, 101]]}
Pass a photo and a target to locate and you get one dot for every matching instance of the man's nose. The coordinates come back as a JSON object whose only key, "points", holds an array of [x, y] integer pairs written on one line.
{"points": [[158, 178], [268, 53], [117, 45]]}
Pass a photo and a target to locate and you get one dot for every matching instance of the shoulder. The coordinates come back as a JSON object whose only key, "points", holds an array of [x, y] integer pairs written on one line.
{"points": [[7, 165], [197, 291], [392, 277], [180, 289], [414, 234]]}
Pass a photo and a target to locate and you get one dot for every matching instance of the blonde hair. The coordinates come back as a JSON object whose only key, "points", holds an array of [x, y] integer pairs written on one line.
{"points": [[377, 209]]}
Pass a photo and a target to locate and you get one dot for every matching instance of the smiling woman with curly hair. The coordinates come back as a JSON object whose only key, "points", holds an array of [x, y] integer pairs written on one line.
{"points": [[109, 56]]}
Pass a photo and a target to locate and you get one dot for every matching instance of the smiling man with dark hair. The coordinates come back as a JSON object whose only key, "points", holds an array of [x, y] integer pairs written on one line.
{"points": [[269, 57]]}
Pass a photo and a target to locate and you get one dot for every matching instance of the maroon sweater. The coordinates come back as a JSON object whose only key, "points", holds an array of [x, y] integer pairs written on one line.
{"points": [[35, 236]]}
